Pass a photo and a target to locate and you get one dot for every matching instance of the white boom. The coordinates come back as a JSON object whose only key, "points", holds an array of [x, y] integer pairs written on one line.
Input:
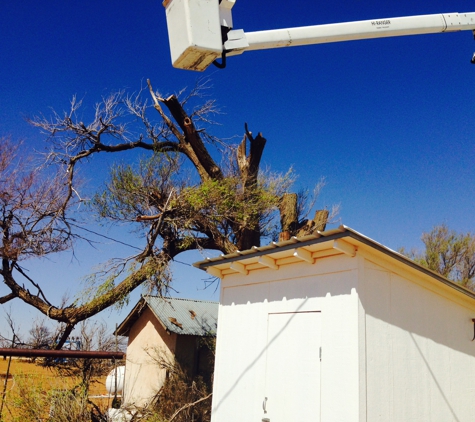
{"points": [[200, 31]]}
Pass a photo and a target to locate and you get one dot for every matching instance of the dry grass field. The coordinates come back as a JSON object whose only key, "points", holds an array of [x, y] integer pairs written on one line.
{"points": [[36, 393], [26, 376]]}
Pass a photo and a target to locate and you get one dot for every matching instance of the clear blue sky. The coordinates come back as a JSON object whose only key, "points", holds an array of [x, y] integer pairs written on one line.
{"points": [[389, 123]]}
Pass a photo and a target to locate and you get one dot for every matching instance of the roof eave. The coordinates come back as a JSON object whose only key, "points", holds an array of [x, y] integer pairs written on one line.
{"points": [[326, 236], [301, 242], [123, 328]]}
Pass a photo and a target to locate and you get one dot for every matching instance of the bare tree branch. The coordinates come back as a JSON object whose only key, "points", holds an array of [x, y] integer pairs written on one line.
{"points": [[188, 405]]}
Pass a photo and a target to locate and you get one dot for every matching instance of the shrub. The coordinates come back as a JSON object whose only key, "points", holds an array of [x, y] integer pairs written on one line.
{"points": [[182, 399]]}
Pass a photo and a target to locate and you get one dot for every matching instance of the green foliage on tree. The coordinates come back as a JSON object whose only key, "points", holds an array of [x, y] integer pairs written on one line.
{"points": [[188, 191], [449, 253]]}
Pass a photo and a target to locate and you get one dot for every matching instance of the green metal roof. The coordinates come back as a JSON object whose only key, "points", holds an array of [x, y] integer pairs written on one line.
{"points": [[180, 316]]}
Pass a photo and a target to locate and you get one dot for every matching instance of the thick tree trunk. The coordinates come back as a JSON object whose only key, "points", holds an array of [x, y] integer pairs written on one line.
{"points": [[318, 223], [289, 219], [248, 164], [288, 216], [320, 220]]}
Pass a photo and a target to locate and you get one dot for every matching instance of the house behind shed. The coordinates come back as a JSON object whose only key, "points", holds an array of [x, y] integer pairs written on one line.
{"points": [[164, 330], [336, 327]]}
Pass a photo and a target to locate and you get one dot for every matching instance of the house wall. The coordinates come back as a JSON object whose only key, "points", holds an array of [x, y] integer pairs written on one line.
{"points": [[420, 359], [148, 341], [242, 372]]}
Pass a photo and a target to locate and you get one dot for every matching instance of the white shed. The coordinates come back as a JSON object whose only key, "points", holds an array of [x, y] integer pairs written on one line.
{"points": [[337, 327]]}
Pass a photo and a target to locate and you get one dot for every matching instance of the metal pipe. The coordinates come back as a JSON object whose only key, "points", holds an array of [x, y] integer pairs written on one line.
{"points": [[33, 353]]}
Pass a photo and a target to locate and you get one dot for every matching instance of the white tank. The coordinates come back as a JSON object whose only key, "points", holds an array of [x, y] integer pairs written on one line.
{"points": [[111, 383], [119, 415]]}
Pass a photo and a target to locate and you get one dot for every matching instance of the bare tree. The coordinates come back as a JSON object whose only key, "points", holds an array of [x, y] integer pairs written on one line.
{"points": [[33, 221], [12, 338], [41, 336]]}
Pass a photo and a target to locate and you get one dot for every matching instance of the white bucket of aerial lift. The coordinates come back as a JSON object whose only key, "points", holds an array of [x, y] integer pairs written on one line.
{"points": [[194, 31]]}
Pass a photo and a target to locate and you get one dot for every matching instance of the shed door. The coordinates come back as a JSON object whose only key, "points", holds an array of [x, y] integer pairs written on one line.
{"points": [[293, 367]]}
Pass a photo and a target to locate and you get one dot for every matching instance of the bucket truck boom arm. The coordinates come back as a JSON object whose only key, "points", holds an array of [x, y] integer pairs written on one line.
{"points": [[200, 31]]}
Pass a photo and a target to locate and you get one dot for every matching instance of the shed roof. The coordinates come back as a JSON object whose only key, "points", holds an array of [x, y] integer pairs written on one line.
{"points": [[342, 240], [180, 316]]}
